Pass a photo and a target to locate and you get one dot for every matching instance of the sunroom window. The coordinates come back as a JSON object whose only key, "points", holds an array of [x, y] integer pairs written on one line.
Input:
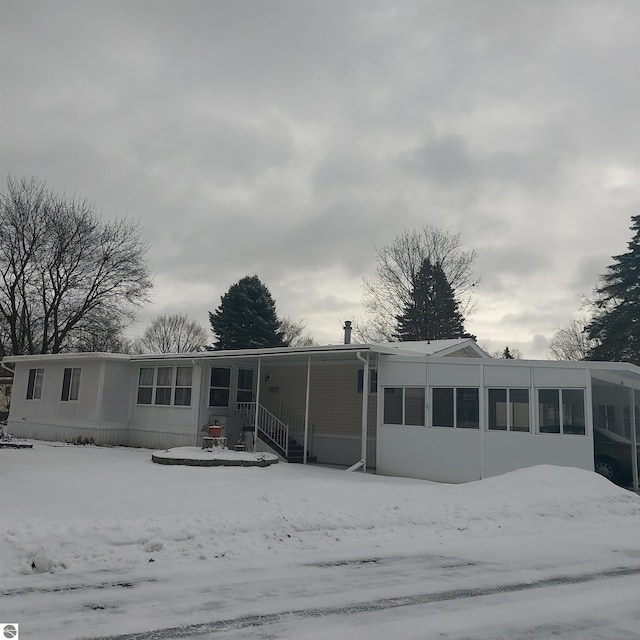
{"points": [[404, 406], [508, 410], [455, 407], [569, 421]]}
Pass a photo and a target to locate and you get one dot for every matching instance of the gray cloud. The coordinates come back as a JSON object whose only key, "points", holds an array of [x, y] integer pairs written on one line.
{"points": [[288, 139]]}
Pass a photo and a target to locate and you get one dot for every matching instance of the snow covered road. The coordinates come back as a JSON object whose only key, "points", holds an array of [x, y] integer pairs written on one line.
{"points": [[540, 553]]}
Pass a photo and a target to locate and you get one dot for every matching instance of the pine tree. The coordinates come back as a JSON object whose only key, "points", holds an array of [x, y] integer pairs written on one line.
{"points": [[433, 312], [246, 317], [615, 328]]}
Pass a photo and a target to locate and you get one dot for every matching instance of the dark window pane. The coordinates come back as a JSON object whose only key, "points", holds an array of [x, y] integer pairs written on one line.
{"points": [[144, 395], [392, 405], [414, 406], [519, 401], [467, 408], [163, 395], [498, 409], [219, 397], [244, 396], [220, 377], [549, 410], [373, 380], [31, 383], [442, 415], [66, 383], [245, 379], [183, 397], [573, 411]]}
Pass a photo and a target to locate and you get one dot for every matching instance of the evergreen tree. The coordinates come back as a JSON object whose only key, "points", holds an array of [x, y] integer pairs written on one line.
{"points": [[615, 328], [433, 312], [246, 317]]}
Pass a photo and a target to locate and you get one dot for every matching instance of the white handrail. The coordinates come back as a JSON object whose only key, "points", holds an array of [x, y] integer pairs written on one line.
{"points": [[268, 424], [294, 422]]}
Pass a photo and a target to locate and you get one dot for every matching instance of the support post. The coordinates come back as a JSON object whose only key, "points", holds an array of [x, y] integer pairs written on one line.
{"points": [[306, 412], [365, 410], [255, 418], [634, 437]]}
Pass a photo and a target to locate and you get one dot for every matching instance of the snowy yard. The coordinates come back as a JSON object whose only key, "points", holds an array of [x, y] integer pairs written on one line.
{"points": [[98, 542]]}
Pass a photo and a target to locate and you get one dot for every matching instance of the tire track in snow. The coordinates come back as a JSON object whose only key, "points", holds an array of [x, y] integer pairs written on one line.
{"points": [[245, 622], [124, 584]]}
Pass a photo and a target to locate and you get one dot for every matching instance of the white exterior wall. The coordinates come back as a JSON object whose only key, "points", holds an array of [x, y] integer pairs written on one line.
{"points": [[50, 418], [446, 454], [160, 426]]}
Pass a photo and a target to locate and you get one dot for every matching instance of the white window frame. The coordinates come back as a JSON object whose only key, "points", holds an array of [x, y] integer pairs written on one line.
{"points": [[404, 405], [227, 388], [561, 416], [71, 393], [154, 386], [34, 386], [509, 410], [455, 408]]}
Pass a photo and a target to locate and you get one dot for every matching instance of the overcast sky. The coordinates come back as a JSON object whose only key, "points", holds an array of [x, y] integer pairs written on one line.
{"points": [[287, 139]]}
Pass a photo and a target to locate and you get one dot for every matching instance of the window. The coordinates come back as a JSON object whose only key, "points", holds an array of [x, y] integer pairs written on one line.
{"points": [[245, 385], [219, 389], [508, 410], [70, 384], [164, 376], [145, 385], [463, 413], [171, 384], [34, 384], [373, 380], [184, 378], [404, 405], [604, 417], [570, 420]]}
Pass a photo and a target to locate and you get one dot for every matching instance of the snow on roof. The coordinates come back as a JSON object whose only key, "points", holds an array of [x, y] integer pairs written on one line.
{"points": [[437, 347]]}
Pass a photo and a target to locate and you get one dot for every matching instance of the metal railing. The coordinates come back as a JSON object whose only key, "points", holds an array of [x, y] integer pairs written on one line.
{"points": [[268, 424], [295, 423]]}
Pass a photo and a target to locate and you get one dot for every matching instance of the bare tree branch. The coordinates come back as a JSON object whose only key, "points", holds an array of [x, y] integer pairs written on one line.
{"points": [[390, 291], [293, 333], [62, 266], [172, 334], [571, 342]]}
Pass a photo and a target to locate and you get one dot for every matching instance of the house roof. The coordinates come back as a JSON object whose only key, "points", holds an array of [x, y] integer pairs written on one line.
{"points": [[464, 347]]}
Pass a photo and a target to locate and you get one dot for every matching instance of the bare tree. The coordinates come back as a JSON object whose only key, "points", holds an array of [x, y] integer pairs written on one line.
{"points": [[399, 263], [571, 342], [61, 267], [294, 333], [104, 333], [172, 334]]}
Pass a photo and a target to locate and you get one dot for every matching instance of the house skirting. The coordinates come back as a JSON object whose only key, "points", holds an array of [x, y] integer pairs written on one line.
{"points": [[64, 432], [341, 450]]}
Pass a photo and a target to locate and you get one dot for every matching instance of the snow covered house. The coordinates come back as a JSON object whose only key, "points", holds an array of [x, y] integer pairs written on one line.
{"points": [[440, 410]]}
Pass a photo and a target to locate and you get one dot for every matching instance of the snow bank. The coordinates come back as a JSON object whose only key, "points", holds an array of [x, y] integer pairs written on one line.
{"points": [[76, 509]]}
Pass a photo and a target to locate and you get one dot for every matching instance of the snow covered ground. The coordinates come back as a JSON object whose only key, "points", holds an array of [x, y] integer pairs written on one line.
{"points": [[102, 543]]}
